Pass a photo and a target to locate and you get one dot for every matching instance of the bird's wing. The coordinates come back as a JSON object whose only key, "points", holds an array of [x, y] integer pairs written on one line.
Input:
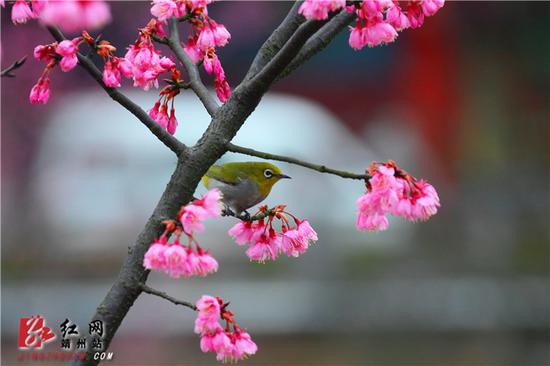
{"points": [[221, 174]]}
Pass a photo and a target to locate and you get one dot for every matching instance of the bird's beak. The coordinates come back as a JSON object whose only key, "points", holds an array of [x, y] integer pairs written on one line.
{"points": [[281, 176]]}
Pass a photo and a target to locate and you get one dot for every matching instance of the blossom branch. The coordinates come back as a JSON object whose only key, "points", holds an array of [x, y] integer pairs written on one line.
{"points": [[173, 41], [276, 40], [165, 296], [168, 140], [17, 64], [291, 160], [319, 40]]}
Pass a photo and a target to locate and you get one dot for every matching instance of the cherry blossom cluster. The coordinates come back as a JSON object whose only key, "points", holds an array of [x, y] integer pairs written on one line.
{"points": [[146, 62], [378, 21], [391, 190], [70, 15], [177, 259], [205, 36], [265, 243], [231, 343], [63, 54]]}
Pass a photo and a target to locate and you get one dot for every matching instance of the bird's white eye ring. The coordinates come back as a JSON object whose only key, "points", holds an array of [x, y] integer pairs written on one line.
{"points": [[268, 173]]}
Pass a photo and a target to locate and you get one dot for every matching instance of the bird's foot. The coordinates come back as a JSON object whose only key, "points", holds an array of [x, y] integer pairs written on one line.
{"points": [[245, 216], [228, 212]]}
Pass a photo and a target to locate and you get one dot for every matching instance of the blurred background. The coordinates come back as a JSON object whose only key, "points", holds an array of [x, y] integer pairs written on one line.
{"points": [[462, 102]]}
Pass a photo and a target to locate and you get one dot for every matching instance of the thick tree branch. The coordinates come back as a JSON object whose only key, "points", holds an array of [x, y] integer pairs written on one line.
{"points": [[281, 60], [320, 40], [192, 69], [165, 296], [170, 141], [276, 40], [17, 64], [291, 160]]}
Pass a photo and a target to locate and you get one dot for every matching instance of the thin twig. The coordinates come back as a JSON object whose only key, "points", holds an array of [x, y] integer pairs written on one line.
{"points": [[245, 216], [170, 141], [158, 39], [192, 70], [319, 40], [287, 159], [17, 64], [165, 296]]}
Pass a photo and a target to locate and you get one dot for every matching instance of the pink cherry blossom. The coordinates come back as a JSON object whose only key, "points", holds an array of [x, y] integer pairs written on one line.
{"points": [[125, 67], [37, 6], [425, 202], [155, 257], [430, 7], [190, 267], [415, 15], [43, 53], [73, 15], [164, 9], [199, 3], [153, 112], [76, 15], [191, 219], [68, 49], [206, 39], [211, 203], [371, 9], [206, 264], [397, 18], [221, 35], [357, 39], [223, 90], [207, 339], [68, 63], [192, 215], [209, 310], [111, 75], [296, 241], [379, 32], [243, 231], [162, 116], [221, 343], [319, 9], [265, 248], [193, 50], [174, 259], [21, 12], [373, 221], [207, 327], [40, 92], [172, 122], [243, 345], [95, 14]]}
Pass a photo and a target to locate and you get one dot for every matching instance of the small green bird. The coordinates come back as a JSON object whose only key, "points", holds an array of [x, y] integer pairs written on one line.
{"points": [[243, 185]]}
